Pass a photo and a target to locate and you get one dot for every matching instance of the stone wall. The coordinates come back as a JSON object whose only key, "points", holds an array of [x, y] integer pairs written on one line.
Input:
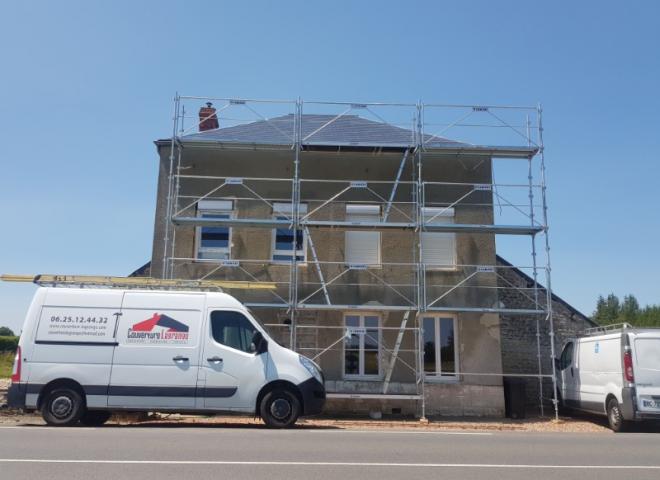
{"points": [[519, 332]]}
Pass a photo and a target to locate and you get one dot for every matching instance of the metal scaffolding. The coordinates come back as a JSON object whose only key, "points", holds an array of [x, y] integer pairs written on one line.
{"points": [[411, 286]]}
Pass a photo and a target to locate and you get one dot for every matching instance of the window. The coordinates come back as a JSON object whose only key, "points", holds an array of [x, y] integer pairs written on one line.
{"points": [[362, 346], [566, 356], [232, 329], [363, 248], [283, 237], [440, 352], [439, 248], [213, 243]]}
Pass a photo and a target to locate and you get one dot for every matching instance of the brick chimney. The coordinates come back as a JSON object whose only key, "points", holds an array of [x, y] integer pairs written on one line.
{"points": [[208, 120]]}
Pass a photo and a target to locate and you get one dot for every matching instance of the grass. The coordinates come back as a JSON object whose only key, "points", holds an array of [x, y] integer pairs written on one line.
{"points": [[6, 363]]}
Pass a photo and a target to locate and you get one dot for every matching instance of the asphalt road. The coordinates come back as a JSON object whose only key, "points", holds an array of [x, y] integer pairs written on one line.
{"points": [[114, 452]]}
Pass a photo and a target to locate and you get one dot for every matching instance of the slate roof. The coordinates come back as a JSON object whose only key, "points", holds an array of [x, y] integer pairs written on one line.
{"points": [[344, 130]]}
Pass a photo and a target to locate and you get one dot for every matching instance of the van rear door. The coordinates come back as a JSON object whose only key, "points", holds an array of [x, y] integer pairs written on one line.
{"points": [[646, 370], [156, 359]]}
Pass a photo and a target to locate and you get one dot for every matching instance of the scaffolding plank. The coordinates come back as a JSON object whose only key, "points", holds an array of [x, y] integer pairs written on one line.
{"points": [[323, 306], [331, 224], [374, 396], [507, 311]]}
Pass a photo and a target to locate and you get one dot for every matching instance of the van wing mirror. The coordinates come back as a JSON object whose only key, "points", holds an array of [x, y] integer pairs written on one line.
{"points": [[259, 343]]}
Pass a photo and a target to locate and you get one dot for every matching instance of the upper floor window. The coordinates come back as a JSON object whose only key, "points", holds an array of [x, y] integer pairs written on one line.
{"points": [[363, 247], [438, 248], [213, 242], [283, 238]]}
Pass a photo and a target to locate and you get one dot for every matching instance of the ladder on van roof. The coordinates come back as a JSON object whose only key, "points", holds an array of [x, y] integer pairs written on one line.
{"points": [[602, 330], [135, 282]]}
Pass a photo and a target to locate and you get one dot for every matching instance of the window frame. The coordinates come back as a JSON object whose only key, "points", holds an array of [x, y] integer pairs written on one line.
{"points": [[198, 230], [302, 209], [222, 345], [448, 212], [361, 375], [438, 377]]}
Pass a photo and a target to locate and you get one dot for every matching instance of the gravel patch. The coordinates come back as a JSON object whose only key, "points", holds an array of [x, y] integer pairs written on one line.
{"points": [[565, 424]]}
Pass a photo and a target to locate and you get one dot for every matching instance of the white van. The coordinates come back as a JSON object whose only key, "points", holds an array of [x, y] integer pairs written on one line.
{"points": [[613, 371], [86, 352]]}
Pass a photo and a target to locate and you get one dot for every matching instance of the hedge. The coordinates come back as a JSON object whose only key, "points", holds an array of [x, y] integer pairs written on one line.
{"points": [[8, 344]]}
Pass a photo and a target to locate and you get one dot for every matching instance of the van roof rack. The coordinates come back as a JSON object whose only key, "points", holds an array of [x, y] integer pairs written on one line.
{"points": [[83, 281], [606, 329]]}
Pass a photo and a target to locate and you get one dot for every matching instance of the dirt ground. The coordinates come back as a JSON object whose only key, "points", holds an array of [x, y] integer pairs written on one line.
{"points": [[532, 424], [590, 425]]}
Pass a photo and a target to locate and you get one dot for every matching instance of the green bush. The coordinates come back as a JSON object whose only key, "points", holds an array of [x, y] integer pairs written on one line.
{"points": [[8, 344]]}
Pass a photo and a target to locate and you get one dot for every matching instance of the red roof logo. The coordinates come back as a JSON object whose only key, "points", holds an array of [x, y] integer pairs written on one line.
{"points": [[161, 320]]}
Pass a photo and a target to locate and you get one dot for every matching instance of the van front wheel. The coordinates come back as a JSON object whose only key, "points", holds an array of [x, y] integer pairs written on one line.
{"points": [[615, 416], [62, 407], [279, 409]]}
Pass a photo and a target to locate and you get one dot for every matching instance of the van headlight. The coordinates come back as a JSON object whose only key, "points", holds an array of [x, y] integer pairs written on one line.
{"points": [[312, 368]]}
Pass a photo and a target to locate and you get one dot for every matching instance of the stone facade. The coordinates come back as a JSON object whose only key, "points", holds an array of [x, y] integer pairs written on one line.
{"points": [[519, 332], [478, 336]]}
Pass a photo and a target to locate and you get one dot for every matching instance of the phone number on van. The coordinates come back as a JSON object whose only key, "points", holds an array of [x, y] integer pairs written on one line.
{"points": [[65, 319]]}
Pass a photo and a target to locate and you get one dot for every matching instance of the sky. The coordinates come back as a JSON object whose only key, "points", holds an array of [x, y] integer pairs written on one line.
{"points": [[85, 88]]}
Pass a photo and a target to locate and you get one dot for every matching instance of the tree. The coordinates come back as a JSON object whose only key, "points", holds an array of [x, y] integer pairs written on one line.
{"points": [[629, 309], [610, 310], [607, 310], [6, 332]]}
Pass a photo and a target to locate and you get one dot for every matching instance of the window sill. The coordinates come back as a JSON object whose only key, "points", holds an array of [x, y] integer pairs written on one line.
{"points": [[439, 379], [211, 260], [365, 378], [286, 262], [442, 269]]}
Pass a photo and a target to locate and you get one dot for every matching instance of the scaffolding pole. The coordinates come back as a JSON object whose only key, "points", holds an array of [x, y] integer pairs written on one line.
{"points": [[295, 192], [548, 284], [530, 178], [168, 207]]}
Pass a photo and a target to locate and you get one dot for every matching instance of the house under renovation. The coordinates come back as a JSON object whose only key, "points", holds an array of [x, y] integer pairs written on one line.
{"points": [[378, 233]]}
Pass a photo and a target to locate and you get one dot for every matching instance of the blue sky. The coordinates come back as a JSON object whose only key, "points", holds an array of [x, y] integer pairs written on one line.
{"points": [[86, 87]]}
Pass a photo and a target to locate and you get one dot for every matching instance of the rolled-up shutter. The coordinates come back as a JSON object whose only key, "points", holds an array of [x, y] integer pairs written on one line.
{"points": [[362, 248], [439, 248]]}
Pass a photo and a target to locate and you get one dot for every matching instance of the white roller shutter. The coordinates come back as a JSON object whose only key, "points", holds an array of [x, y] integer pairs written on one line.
{"points": [[439, 248], [362, 248]]}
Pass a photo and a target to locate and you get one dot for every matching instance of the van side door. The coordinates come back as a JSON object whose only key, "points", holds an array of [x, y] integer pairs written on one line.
{"points": [[156, 359], [231, 372]]}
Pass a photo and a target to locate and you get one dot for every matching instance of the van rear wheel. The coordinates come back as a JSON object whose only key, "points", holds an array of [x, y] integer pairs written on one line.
{"points": [[280, 408], [615, 416], [62, 407], [95, 418]]}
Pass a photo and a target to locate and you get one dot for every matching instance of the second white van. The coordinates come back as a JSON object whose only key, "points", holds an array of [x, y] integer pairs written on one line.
{"points": [[614, 371], [84, 353]]}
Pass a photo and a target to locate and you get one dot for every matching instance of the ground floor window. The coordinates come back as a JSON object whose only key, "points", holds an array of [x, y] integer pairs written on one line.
{"points": [[440, 346], [362, 345]]}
